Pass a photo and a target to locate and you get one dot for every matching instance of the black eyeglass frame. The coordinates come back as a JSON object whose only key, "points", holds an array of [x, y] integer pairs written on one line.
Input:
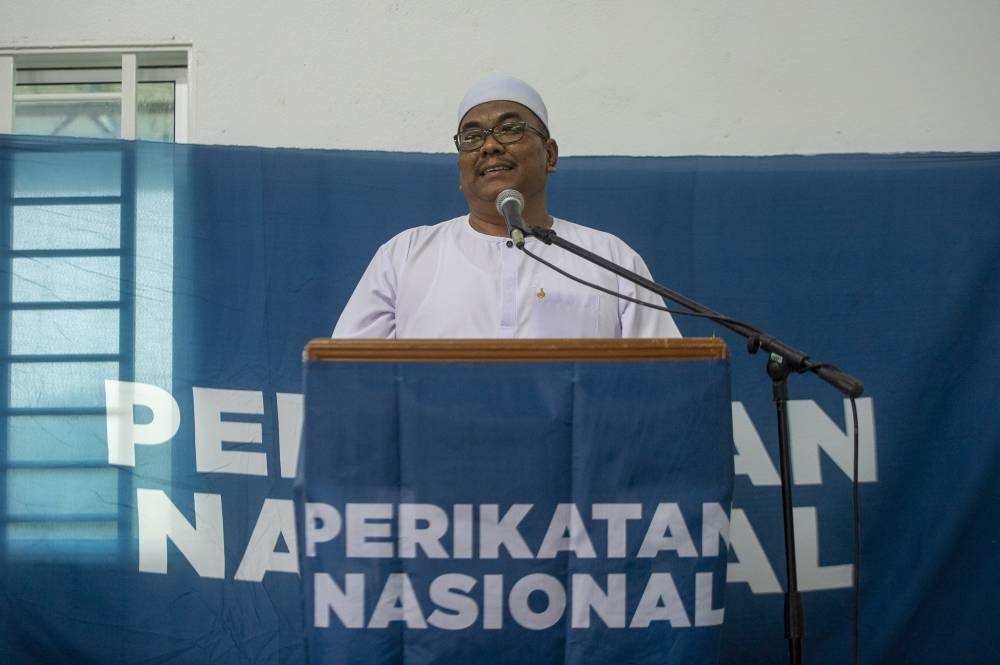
{"points": [[492, 132]]}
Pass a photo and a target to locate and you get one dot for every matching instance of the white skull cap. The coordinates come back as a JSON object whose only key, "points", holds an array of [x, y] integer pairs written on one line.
{"points": [[506, 88]]}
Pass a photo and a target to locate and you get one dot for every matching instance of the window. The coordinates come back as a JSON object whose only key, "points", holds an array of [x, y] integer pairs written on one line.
{"points": [[96, 94], [85, 280]]}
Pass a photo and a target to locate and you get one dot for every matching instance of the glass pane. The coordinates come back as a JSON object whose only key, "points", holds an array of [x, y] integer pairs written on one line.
{"points": [[154, 272], [62, 492], [92, 173], [155, 108], [99, 119], [65, 88], [71, 542], [67, 227], [71, 384], [65, 279], [57, 439], [61, 530], [64, 331]]}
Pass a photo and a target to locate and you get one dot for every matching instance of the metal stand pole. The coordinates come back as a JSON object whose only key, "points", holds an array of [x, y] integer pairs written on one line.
{"points": [[778, 370]]}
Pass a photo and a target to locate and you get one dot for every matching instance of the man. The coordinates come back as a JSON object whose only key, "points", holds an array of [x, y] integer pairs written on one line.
{"points": [[463, 279]]}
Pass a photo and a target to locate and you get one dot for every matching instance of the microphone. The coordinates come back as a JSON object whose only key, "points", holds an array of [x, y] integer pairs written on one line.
{"points": [[510, 203]]}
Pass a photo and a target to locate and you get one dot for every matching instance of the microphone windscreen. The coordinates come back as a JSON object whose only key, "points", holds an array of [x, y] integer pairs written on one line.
{"points": [[510, 195]]}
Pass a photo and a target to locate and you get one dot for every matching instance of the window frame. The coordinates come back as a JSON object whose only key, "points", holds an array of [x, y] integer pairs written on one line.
{"points": [[128, 66]]}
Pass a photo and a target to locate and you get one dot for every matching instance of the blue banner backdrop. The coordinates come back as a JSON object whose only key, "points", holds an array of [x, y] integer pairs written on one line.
{"points": [[157, 298]]}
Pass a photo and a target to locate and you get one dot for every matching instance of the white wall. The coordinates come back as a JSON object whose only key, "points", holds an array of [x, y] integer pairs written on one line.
{"points": [[629, 78]]}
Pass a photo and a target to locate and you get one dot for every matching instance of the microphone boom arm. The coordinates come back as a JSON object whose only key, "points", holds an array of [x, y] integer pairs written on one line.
{"points": [[793, 359]]}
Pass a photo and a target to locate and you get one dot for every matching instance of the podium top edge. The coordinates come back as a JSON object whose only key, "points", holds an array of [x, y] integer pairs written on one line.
{"points": [[514, 350]]}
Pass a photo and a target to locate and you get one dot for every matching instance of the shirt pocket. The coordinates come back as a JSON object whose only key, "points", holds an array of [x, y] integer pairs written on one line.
{"points": [[563, 313]]}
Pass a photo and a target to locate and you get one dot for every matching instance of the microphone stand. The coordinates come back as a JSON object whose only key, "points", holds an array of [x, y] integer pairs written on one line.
{"points": [[782, 361]]}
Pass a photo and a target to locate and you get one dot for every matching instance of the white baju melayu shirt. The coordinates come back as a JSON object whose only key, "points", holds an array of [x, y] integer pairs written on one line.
{"points": [[451, 281]]}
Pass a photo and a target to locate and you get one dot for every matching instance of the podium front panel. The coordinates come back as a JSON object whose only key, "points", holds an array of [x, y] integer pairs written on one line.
{"points": [[515, 512]]}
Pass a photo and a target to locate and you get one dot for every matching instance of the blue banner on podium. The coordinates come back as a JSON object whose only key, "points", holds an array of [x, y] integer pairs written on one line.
{"points": [[515, 512]]}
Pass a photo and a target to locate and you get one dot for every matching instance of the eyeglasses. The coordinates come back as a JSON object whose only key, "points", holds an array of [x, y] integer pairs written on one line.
{"points": [[508, 132]]}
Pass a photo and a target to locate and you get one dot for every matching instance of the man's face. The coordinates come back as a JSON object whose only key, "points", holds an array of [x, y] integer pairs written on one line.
{"points": [[493, 167]]}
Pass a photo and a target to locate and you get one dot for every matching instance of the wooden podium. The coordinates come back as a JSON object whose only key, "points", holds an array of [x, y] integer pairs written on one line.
{"points": [[514, 350], [515, 501]]}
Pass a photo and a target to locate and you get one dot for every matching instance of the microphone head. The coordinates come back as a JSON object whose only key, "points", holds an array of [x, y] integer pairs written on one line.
{"points": [[508, 195]]}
